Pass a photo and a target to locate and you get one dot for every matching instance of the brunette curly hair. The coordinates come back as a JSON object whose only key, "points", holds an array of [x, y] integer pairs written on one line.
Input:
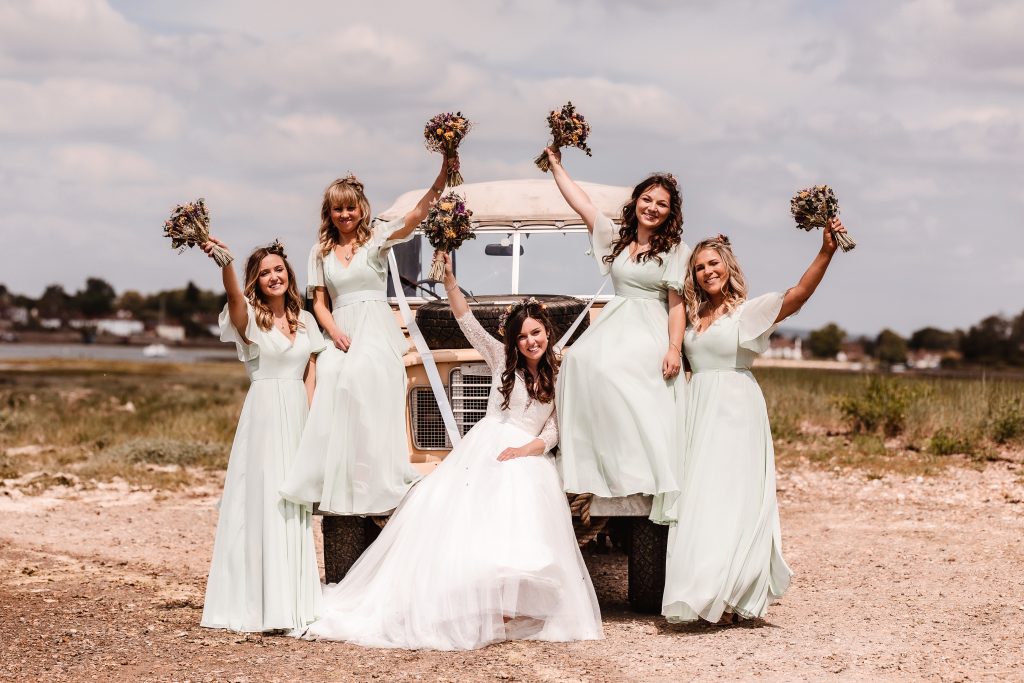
{"points": [[668, 234], [547, 370]]}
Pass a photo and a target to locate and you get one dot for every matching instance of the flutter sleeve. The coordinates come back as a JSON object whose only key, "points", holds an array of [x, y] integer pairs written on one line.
{"points": [[381, 241], [228, 333], [601, 241], [314, 271], [317, 343], [549, 433], [757, 321], [492, 350], [677, 262]]}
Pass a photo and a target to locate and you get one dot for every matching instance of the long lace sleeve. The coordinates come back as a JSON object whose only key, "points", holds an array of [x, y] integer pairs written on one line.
{"points": [[549, 434], [490, 348]]}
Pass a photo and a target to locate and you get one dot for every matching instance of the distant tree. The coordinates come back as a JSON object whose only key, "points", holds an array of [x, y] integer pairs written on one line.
{"points": [[868, 344], [54, 303], [97, 299], [193, 295], [827, 341], [933, 339], [988, 341], [1015, 344], [133, 302], [890, 348]]}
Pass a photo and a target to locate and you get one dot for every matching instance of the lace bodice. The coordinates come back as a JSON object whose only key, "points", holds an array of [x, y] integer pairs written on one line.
{"points": [[531, 415]]}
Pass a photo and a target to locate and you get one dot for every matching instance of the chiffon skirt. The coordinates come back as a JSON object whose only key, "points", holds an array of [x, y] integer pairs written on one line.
{"points": [[725, 552], [264, 574], [354, 455], [616, 412], [480, 551]]}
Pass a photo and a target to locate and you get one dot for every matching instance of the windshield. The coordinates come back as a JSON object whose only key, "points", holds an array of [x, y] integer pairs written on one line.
{"points": [[550, 262]]}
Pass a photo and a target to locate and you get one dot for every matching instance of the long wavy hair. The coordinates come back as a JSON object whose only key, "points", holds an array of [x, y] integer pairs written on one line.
{"points": [[347, 191], [735, 288], [547, 368], [667, 235], [256, 297]]}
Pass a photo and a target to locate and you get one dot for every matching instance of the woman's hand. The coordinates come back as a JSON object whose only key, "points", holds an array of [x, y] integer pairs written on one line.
{"points": [[671, 363], [213, 242], [554, 155], [341, 341], [512, 453], [828, 240]]}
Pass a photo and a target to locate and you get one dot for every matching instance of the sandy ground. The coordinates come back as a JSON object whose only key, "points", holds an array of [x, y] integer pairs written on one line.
{"points": [[896, 578]]}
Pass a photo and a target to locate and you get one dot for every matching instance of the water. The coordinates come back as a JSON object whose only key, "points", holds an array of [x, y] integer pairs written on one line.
{"points": [[105, 352]]}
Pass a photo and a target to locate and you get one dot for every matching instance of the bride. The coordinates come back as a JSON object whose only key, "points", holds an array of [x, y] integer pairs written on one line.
{"points": [[482, 550]]}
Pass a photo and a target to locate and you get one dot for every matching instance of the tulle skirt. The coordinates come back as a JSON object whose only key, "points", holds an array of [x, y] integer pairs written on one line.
{"points": [[480, 551]]}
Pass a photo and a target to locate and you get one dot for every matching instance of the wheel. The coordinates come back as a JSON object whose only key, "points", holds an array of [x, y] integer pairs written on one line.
{"points": [[647, 548], [442, 332], [345, 539]]}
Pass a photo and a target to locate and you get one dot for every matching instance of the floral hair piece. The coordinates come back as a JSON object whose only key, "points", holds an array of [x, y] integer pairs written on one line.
{"points": [[277, 248], [511, 308]]}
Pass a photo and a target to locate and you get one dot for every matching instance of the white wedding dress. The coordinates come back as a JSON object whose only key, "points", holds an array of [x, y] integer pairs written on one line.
{"points": [[479, 551]]}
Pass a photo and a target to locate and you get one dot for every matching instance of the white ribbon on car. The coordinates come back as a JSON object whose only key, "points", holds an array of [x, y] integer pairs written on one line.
{"points": [[426, 355], [560, 344]]}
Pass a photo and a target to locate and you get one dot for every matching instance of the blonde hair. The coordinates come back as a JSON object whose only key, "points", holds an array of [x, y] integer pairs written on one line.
{"points": [[252, 291], [734, 289], [347, 191]]}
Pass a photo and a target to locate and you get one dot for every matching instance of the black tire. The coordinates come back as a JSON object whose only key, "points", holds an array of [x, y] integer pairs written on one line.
{"points": [[442, 332], [647, 548], [345, 539]]}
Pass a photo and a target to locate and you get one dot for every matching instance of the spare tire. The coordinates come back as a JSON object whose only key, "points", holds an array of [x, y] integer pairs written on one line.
{"points": [[439, 328]]}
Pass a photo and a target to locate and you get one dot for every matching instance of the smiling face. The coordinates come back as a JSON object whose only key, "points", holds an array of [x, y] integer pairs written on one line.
{"points": [[710, 272], [273, 276], [346, 217], [532, 341], [652, 207]]}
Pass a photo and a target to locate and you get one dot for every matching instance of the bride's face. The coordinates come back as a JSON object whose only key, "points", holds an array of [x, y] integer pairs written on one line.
{"points": [[532, 340]]}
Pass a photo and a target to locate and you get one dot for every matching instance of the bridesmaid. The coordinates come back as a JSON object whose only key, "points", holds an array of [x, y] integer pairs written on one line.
{"points": [[725, 553], [617, 389], [354, 456], [264, 575]]}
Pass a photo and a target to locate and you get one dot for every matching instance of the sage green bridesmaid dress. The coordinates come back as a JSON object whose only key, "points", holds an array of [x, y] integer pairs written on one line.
{"points": [[616, 410], [725, 552]]}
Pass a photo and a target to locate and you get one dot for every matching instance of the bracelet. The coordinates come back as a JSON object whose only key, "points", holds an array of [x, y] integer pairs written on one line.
{"points": [[452, 288], [437, 190]]}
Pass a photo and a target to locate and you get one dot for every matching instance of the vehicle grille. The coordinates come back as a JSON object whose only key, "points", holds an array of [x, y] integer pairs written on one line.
{"points": [[468, 389]]}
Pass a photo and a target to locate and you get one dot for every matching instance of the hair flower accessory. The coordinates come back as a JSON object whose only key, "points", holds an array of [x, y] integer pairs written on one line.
{"points": [[511, 308]]}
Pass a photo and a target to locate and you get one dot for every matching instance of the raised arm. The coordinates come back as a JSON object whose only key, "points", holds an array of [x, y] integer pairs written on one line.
{"points": [[795, 297], [574, 195], [237, 310], [419, 212], [456, 299]]}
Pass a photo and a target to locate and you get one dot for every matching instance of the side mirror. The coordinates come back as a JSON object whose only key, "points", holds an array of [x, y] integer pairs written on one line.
{"points": [[501, 250]]}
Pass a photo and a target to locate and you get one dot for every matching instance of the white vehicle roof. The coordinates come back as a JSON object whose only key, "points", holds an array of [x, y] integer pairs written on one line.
{"points": [[536, 203]]}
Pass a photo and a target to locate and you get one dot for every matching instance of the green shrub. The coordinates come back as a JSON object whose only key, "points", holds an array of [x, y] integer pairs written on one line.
{"points": [[946, 442], [880, 406], [1007, 421], [169, 452]]}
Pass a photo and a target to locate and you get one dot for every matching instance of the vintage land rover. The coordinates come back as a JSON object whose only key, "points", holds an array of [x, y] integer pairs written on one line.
{"points": [[528, 242]]}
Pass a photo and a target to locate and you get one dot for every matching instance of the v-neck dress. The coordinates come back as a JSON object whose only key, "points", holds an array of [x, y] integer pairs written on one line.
{"points": [[354, 455], [616, 410], [264, 575], [725, 552]]}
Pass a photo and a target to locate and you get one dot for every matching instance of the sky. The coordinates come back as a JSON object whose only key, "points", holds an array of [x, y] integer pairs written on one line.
{"points": [[113, 111]]}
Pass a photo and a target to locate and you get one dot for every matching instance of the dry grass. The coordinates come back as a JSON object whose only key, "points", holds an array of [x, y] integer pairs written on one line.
{"points": [[147, 423], [164, 425]]}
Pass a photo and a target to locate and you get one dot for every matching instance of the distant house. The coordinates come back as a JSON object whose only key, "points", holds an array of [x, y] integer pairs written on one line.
{"points": [[851, 352], [171, 332], [119, 327], [50, 323], [788, 349], [17, 314]]}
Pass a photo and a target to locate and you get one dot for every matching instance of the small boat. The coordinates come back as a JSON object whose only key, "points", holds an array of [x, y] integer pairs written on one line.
{"points": [[155, 351]]}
